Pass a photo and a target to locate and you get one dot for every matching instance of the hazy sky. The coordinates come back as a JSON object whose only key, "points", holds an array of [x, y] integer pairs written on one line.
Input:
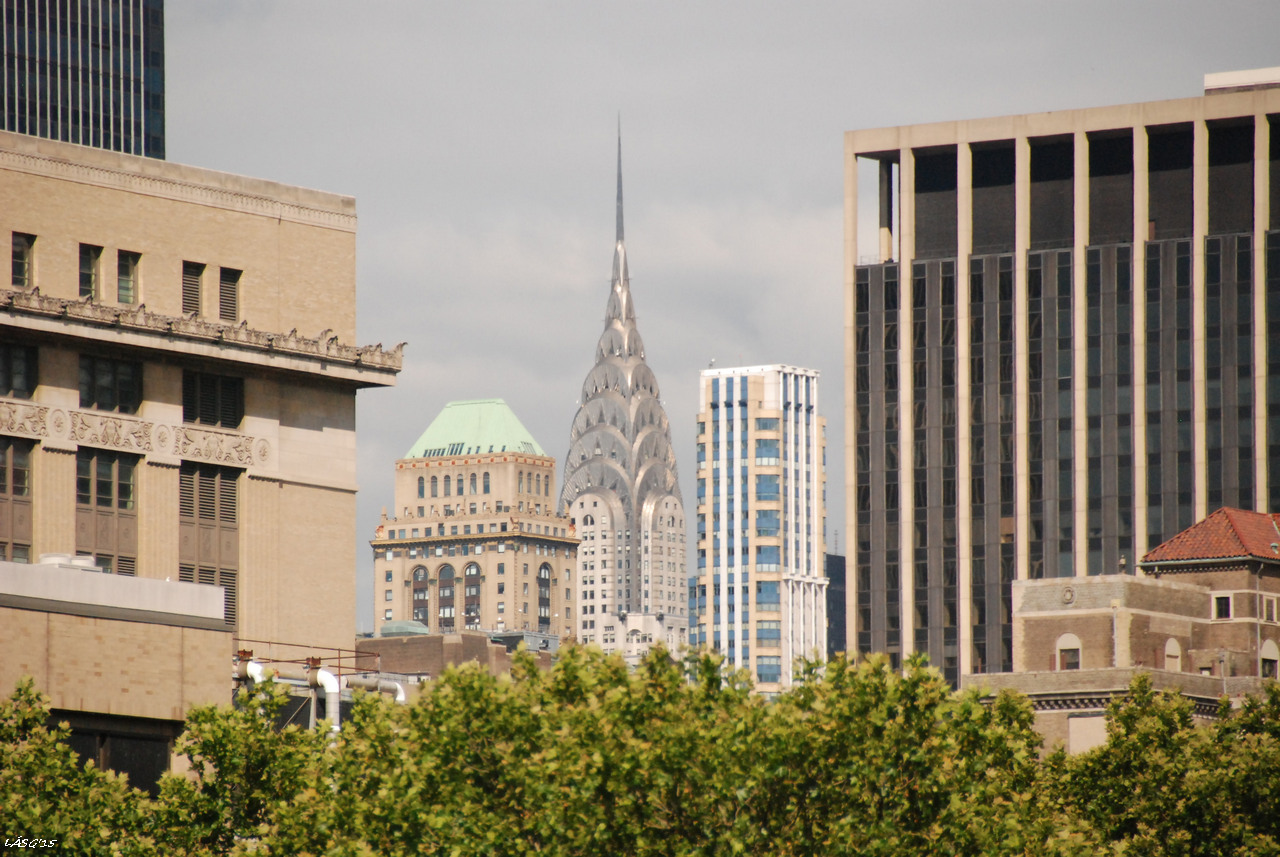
{"points": [[478, 139]]}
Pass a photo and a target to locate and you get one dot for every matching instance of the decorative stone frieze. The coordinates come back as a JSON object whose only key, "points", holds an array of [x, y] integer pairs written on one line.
{"points": [[216, 447], [23, 419], [111, 431]]}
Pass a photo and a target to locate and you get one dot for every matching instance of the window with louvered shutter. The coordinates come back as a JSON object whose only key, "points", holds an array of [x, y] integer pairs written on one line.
{"points": [[192, 272], [208, 518], [229, 294]]}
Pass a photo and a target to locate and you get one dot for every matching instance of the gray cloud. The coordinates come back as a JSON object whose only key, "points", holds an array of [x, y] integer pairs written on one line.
{"points": [[479, 141]]}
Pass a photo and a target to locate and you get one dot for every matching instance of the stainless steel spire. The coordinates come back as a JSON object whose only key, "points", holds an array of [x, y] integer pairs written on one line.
{"points": [[620, 472]]}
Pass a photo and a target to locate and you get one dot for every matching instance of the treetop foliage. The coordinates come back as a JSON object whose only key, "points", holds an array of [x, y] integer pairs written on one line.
{"points": [[668, 759]]}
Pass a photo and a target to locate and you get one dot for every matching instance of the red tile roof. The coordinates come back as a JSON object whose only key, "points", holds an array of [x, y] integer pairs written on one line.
{"points": [[1225, 534]]}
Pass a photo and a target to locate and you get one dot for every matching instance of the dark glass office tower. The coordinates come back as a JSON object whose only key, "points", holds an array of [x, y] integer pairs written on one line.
{"points": [[85, 71], [1064, 350]]}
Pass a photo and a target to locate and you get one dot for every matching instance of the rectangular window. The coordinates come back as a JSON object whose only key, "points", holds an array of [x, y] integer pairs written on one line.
{"points": [[15, 499], [229, 294], [89, 258], [110, 385], [766, 423], [23, 257], [127, 276], [767, 487], [1222, 606], [208, 529], [212, 400], [17, 371], [389, 595], [1068, 659], [1269, 609], [768, 668], [106, 520], [192, 274]]}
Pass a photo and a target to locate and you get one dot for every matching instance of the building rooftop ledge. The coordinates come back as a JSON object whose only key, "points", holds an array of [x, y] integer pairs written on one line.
{"points": [[30, 304]]}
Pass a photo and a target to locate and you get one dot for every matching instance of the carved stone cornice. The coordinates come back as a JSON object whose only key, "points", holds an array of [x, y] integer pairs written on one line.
{"points": [[322, 351]]}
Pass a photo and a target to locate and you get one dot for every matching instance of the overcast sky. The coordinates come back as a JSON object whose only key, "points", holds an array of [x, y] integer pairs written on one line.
{"points": [[479, 141]]}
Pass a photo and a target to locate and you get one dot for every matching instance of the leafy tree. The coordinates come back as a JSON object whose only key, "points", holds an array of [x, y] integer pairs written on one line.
{"points": [[45, 793]]}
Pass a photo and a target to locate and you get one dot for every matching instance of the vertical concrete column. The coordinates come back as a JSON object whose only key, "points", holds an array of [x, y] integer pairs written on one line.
{"points": [[906, 318], [886, 210], [1261, 218], [1141, 217], [964, 494], [1080, 354], [1199, 229], [850, 487]]}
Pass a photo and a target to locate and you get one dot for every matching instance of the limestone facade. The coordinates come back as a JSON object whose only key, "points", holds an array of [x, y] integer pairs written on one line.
{"points": [[177, 381]]}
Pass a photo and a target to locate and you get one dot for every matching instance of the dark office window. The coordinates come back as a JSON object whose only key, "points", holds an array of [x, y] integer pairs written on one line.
{"points": [[110, 385], [1170, 151], [212, 400], [993, 198], [935, 186], [1052, 193], [1111, 188], [18, 371], [192, 274], [1230, 177]]}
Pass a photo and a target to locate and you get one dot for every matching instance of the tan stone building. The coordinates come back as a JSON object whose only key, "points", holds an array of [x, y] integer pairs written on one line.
{"points": [[120, 659], [1202, 617], [476, 544], [177, 381], [760, 588]]}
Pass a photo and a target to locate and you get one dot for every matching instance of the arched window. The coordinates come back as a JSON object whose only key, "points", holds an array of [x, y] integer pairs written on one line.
{"points": [[1270, 659], [486, 482], [460, 484], [419, 574], [544, 572], [473, 483], [446, 486], [537, 489], [435, 486], [588, 521], [446, 573], [422, 487], [472, 570], [1173, 656], [520, 482], [546, 486]]}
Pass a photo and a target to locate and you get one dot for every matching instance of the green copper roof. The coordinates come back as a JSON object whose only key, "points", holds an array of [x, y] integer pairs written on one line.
{"points": [[477, 427]]}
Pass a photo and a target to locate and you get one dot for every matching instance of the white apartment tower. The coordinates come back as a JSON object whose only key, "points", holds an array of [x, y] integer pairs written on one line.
{"points": [[759, 595]]}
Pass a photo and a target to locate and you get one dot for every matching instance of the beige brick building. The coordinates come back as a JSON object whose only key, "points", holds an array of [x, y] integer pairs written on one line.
{"points": [[477, 544], [178, 379]]}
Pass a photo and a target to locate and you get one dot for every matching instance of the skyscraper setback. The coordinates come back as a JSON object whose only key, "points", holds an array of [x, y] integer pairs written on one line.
{"points": [[1061, 354], [88, 72]]}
